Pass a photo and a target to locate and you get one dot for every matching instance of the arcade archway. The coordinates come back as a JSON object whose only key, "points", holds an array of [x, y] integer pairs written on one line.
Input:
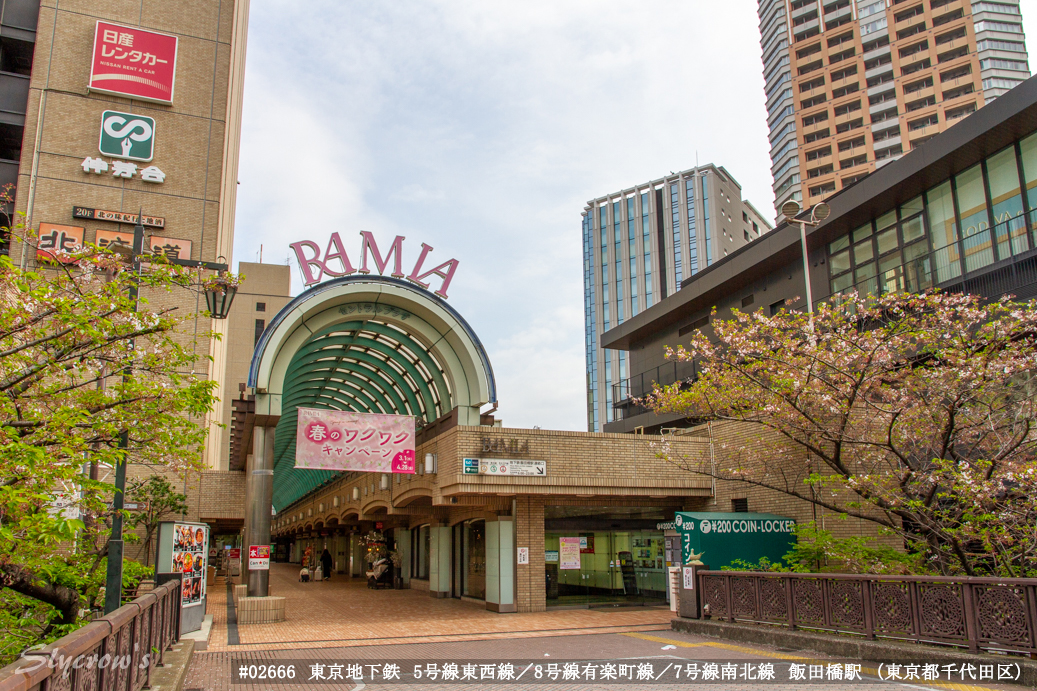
{"points": [[359, 343]]}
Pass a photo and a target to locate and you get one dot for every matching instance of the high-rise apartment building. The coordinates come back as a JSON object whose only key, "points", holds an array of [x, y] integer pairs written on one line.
{"points": [[639, 245], [110, 110], [854, 84]]}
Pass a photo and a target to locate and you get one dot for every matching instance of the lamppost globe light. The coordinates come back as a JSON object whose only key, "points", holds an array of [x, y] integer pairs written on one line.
{"points": [[790, 209], [821, 211]]}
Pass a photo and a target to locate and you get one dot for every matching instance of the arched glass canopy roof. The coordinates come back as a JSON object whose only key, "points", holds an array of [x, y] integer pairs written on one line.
{"points": [[364, 344]]}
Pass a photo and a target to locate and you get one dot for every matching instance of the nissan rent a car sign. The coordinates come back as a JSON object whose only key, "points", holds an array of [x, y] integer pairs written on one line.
{"points": [[133, 62]]}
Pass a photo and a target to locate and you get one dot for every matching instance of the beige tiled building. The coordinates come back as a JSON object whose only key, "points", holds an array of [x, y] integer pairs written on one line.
{"points": [[616, 490], [854, 84], [263, 293], [80, 170]]}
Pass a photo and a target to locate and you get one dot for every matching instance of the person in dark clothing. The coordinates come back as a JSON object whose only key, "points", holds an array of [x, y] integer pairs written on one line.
{"points": [[325, 564]]}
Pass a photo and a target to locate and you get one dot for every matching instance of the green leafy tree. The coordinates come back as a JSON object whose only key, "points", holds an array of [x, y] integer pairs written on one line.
{"points": [[817, 549], [87, 377], [912, 412], [156, 500]]}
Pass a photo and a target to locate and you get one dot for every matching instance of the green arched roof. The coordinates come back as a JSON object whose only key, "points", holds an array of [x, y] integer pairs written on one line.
{"points": [[364, 344]]}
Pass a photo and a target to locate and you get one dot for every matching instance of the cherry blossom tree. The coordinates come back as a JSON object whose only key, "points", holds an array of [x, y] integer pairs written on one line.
{"points": [[912, 412], [89, 377]]}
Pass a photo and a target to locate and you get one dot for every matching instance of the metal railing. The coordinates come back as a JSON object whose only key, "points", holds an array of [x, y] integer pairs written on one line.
{"points": [[115, 653], [977, 613], [639, 385]]}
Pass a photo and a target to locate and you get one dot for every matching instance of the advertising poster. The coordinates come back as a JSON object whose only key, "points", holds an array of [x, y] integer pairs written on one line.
{"points": [[586, 543], [55, 239], [168, 248], [569, 553], [259, 558], [365, 442], [129, 61], [190, 550]]}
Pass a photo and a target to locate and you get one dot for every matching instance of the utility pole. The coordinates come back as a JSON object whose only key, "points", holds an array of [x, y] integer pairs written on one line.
{"points": [[113, 578], [219, 301]]}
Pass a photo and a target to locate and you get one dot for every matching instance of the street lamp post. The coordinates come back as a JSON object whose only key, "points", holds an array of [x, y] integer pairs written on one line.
{"points": [[113, 576], [820, 212]]}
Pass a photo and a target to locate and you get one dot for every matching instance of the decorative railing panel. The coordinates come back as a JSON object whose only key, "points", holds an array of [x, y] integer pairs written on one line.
{"points": [[107, 654], [977, 613]]}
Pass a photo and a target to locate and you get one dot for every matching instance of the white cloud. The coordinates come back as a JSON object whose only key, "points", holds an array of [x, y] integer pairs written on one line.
{"points": [[482, 129]]}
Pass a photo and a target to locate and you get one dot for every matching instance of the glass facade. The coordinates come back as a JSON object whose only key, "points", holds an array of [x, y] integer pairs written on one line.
{"points": [[617, 256], [646, 247], [963, 225], [693, 249], [590, 320], [616, 567], [632, 253], [605, 322], [707, 232], [631, 239], [675, 215]]}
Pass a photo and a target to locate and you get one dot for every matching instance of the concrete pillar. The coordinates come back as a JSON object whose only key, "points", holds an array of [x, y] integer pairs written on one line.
{"points": [[358, 552], [341, 554], [262, 477], [403, 544], [439, 561], [243, 569], [500, 564], [531, 593]]}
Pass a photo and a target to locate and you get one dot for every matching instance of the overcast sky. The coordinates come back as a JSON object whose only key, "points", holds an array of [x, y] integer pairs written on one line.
{"points": [[482, 129]]}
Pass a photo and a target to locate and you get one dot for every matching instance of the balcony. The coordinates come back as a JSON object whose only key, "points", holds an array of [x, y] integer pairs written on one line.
{"points": [[626, 392], [920, 94], [803, 11], [901, 18], [837, 14], [844, 78], [964, 79], [950, 7], [821, 125], [810, 93], [950, 46], [818, 159], [922, 133], [881, 69], [955, 97], [847, 117], [807, 27], [913, 59], [877, 52]]}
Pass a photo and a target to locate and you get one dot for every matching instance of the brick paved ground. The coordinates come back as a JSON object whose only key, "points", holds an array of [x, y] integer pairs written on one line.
{"points": [[344, 612], [343, 622]]}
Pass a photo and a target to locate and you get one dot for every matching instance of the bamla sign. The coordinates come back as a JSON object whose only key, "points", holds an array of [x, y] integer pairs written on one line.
{"points": [[335, 261]]}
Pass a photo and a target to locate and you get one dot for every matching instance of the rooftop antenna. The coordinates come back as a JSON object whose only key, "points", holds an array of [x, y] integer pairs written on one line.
{"points": [[261, 253]]}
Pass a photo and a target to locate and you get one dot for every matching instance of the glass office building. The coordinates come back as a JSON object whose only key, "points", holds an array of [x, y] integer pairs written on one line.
{"points": [[639, 245]]}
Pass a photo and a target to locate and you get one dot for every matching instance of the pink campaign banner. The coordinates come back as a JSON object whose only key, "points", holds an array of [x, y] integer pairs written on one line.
{"points": [[365, 442]]}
